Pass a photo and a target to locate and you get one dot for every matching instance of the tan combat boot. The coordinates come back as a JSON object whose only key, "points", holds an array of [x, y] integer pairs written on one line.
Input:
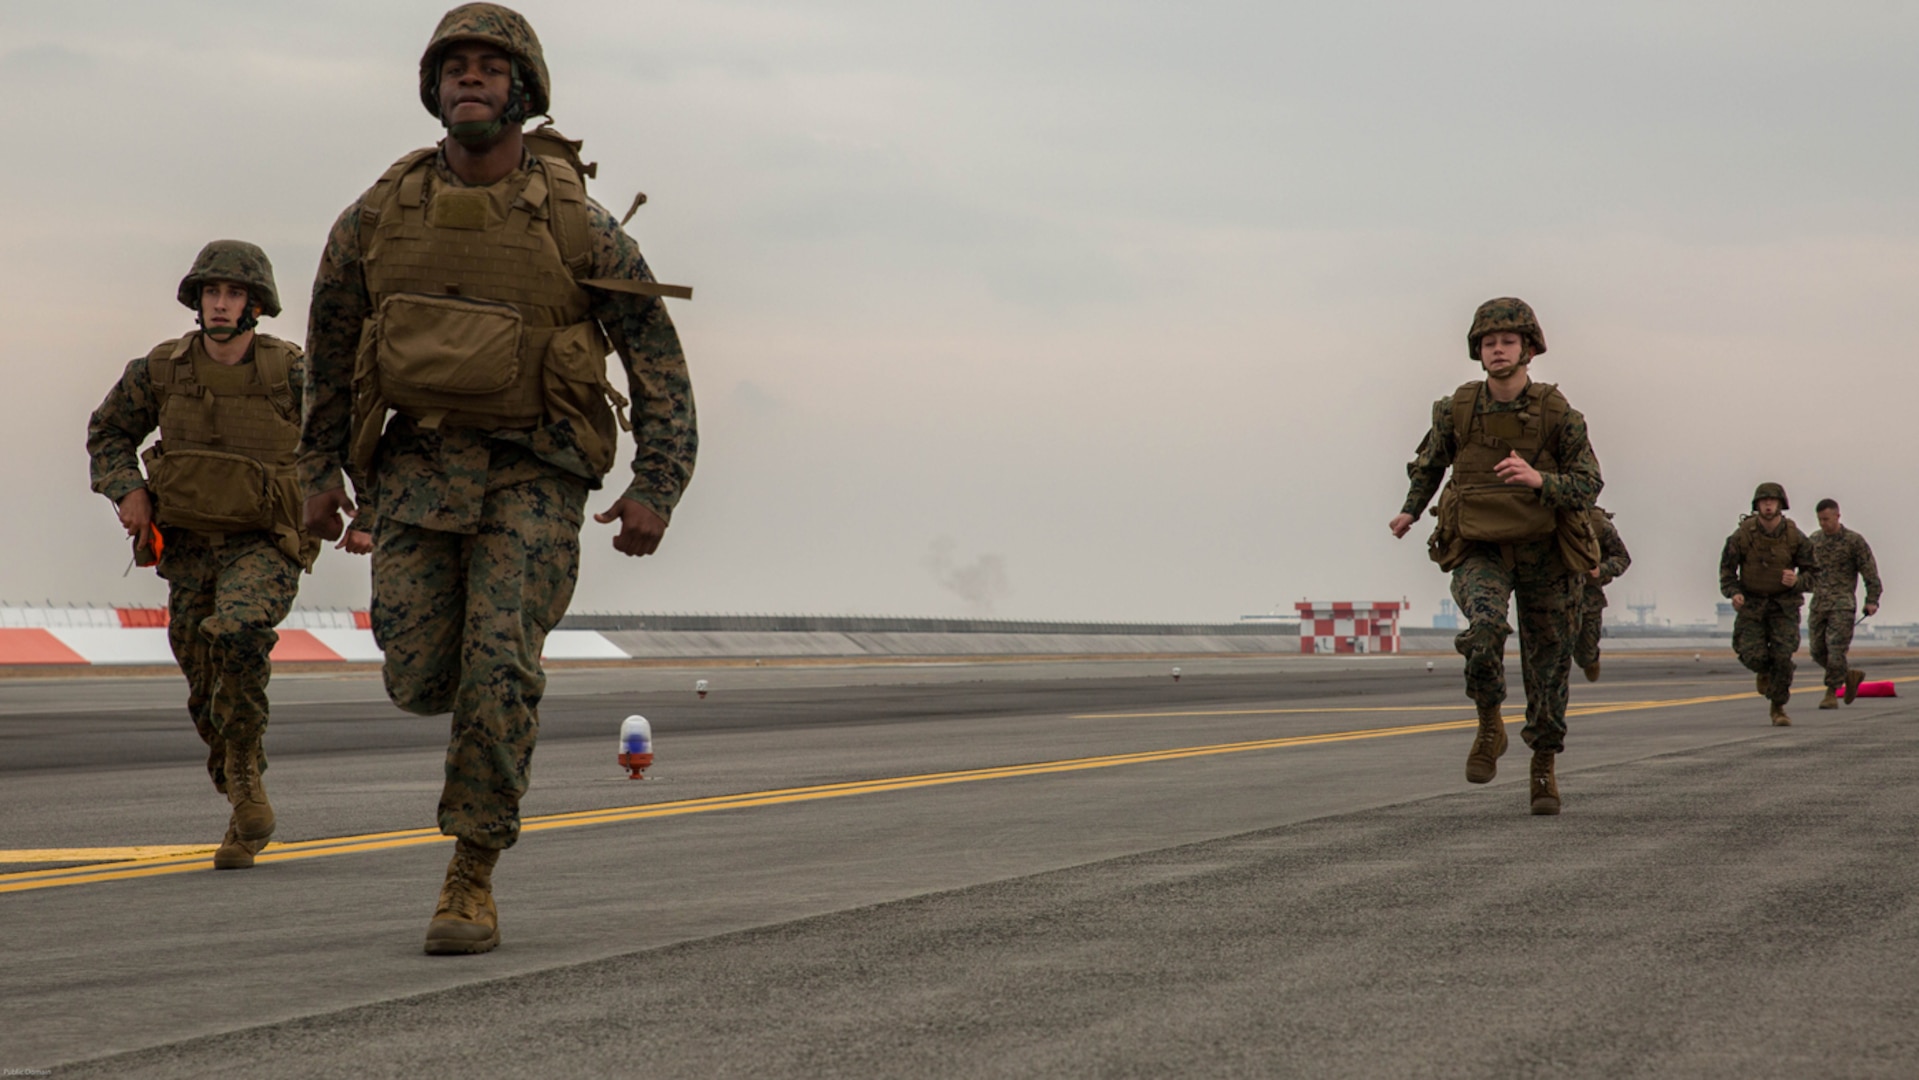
{"points": [[1853, 678], [466, 920], [1592, 671], [235, 853], [1482, 761], [1779, 717], [247, 792], [1830, 701], [1545, 786], [1764, 682]]}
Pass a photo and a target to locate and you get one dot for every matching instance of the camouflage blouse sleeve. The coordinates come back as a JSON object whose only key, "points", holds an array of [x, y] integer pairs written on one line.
{"points": [[340, 305], [1427, 469], [1868, 569], [1577, 483], [1729, 559], [1613, 556], [116, 429], [665, 425]]}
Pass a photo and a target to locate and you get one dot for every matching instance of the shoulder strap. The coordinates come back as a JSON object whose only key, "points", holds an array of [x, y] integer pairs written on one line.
{"points": [[168, 364], [567, 212], [1464, 399], [375, 200], [273, 361]]}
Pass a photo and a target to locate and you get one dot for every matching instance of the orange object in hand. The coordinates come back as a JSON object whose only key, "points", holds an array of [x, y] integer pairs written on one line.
{"points": [[147, 549]]}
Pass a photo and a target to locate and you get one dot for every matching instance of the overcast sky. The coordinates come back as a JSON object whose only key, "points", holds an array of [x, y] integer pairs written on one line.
{"points": [[1061, 309]]}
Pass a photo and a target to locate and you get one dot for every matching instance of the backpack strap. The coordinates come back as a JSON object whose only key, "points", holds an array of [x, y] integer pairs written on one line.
{"points": [[410, 179]]}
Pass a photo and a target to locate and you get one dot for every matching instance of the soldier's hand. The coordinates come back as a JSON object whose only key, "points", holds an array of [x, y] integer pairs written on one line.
{"points": [[136, 511], [1514, 470], [356, 542], [1593, 573], [640, 528], [1401, 525], [1739, 601], [323, 513], [1871, 610], [1790, 576]]}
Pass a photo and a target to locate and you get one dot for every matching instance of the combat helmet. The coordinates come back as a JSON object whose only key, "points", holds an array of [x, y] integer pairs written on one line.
{"points": [[498, 25], [1770, 490], [236, 261], [1505, 313]]}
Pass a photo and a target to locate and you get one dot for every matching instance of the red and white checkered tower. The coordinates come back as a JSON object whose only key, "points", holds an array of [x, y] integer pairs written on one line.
{"points": [[1356, 626]]}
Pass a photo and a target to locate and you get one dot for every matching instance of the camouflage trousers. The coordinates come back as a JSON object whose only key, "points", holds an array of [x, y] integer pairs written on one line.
{"points": [[1765, 634], [1546, 593], [1591, 618], [225, 595], [1829, 630], [462, 618]]}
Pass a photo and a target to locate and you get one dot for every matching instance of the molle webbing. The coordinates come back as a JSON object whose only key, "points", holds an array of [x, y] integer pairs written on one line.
{"points": [[1533, 432], [203, 408], [491, 243]]}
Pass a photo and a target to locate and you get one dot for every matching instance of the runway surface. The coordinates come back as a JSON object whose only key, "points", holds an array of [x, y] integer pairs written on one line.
{"points": [[1271, 867]]}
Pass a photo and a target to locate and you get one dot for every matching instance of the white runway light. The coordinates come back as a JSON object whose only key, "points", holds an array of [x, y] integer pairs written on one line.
{"points": [[700, 689], [1429, 665], [1175, 674], [636, 746]]}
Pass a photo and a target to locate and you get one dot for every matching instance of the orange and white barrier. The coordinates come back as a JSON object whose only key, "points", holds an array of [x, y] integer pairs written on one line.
{"points": [[124, 636]]}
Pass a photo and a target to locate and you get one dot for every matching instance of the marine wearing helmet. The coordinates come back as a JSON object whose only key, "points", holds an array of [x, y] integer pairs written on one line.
{"points": [[239, 263]]}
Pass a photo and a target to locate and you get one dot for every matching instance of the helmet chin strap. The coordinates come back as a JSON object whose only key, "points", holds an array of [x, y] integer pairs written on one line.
{"points": [[249, 319]]}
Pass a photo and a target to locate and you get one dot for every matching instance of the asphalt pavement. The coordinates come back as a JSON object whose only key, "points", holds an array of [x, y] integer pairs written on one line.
{"points": [[1271, 867]]}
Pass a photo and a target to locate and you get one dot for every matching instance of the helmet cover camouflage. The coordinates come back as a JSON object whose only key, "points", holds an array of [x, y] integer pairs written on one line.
{"points": [[494, 24], [1770, 490], [236, 261], [1505, 313]]}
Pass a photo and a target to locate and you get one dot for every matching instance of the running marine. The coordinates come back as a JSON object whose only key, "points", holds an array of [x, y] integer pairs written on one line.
{"points": [[1613, 561], [1764, 569], [461, 318], [1841, 557], [1512, 522], [217, 510]]}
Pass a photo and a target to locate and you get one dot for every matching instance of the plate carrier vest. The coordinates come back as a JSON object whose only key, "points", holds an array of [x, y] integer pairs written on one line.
{"points": [[479, 316], [1764, 559], [225, 459]]}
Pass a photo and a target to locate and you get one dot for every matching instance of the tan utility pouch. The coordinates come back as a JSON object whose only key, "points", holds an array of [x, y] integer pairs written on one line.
{"points": [[1578, 541], [577, 391], [430, 347], [1502, 515], [210, 491], [369, 403]]}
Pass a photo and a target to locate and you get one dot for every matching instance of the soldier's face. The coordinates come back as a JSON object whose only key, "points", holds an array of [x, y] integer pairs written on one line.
{"points": [[1769, 510], [475, 81], [1829, 522], [1501, 352], [222, 303]]}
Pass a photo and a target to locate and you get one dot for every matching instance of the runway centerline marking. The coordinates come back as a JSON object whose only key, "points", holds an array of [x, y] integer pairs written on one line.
{"points": [[183, 862]]}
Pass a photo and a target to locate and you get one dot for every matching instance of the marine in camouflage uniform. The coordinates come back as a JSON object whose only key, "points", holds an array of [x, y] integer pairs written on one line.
{"points": [[1764, 569], [1535, 427], [1613, 561], [476, 515], [1842, 557], [227, 402]]}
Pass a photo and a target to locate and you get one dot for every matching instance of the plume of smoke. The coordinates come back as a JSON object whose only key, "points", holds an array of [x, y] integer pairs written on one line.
{"points": [[978, 583]]}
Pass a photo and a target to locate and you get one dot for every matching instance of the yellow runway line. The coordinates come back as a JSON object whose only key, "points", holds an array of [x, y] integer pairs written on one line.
{"points": [[180, 860], [100, 854]]}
